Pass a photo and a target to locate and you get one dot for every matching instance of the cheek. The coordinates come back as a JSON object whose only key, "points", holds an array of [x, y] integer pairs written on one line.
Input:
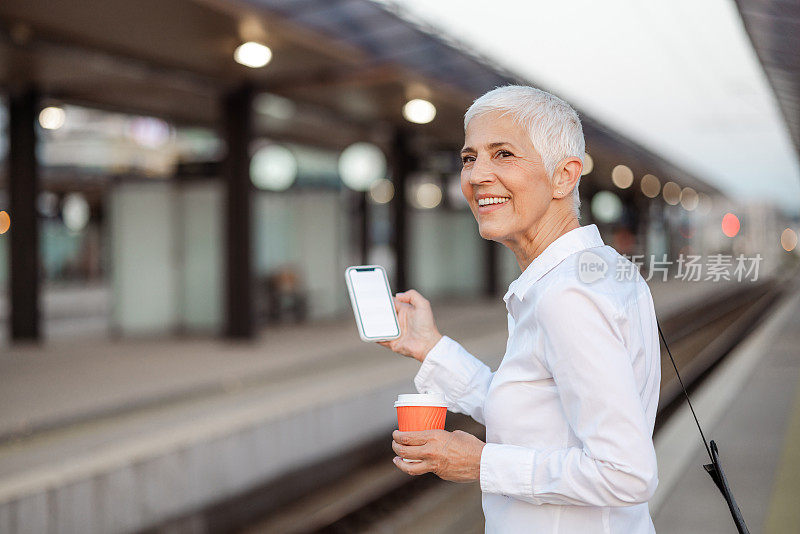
{"points": [[533, 200], [466, 187]]}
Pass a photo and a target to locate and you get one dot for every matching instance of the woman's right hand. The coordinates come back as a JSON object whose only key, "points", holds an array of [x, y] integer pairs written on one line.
{"points": [[418, 329]]}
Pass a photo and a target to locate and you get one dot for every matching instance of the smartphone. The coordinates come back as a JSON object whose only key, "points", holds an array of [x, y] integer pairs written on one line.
{"points": [[372, 302]]}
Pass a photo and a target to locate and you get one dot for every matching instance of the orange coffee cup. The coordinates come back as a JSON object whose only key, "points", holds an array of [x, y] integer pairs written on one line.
{"points": [[420, 411]]}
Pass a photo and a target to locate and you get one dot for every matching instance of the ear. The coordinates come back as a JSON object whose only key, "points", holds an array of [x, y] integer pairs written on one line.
{"points": [[565, 176]]}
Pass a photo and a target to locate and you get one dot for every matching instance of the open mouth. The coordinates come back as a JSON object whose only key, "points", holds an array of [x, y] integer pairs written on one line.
{"points": [[492, 201]]}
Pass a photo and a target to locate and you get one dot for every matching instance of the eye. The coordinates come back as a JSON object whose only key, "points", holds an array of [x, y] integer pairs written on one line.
{"points": [[504, 153], [467, 158]]}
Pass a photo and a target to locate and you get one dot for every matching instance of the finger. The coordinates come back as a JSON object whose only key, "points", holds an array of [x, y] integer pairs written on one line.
{"points": [[412, 296], [408, 298], [403, 298], [411, 468], [416, 298], [399, 306], [411, 438], [410, 452]]}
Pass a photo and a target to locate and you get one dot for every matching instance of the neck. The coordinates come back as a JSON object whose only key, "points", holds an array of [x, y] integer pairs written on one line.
{"points": [[549, 228]]}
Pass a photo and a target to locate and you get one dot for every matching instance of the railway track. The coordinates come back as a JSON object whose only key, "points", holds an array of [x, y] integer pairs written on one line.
{"points": [[367, 493]]}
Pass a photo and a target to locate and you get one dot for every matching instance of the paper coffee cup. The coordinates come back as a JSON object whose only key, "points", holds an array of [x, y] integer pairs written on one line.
{"points": [[420, 411]]}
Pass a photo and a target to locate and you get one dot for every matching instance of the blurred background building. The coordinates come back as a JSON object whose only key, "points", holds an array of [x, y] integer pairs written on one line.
{"points": [[199, 169], [127, 174]]}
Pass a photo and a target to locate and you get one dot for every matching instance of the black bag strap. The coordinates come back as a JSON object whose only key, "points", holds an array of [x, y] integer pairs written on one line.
{"points": [[714, 469]]}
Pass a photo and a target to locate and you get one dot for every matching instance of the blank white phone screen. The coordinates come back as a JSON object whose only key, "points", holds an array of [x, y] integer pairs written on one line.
{"points": [[374, 303]]}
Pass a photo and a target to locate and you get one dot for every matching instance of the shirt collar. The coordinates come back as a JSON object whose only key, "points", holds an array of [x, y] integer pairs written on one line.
{"points": [[573, 241]]}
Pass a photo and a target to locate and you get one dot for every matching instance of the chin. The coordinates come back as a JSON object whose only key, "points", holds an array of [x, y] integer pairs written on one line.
{"points": [[491, 234]]}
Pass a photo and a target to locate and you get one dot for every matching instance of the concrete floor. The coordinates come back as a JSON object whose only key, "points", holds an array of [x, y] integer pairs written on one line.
{"points": [[753, 441], [66, 399], [88, 375]]}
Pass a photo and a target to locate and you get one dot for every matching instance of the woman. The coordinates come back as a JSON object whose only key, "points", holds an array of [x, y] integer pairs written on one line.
{"points": [[569, 413]]}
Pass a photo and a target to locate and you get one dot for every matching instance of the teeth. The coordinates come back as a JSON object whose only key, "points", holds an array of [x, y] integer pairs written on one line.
{"points": [[491, 200]]}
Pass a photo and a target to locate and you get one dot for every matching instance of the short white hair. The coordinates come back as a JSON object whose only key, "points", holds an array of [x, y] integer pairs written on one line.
{"points": [[552, 125]]}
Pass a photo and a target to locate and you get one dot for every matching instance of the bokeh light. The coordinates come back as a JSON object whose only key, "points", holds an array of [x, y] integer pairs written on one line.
{"points": [[419, 111], [360, 165], [454, 194], [382, 191], [788, 239], [622, 176], [428, 195], [75, 212], [687, 229], [52, 118], [704, 204], [730, 224], [150, 132], [274, 106], [273, 168], [588, 164], [5, 222], [252, 54], [47, 204], [651, 186], [671, 193], [689, 198], [606, 207]]}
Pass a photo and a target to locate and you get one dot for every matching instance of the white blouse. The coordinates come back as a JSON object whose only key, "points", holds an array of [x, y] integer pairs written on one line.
{"points": [[569, 413]]}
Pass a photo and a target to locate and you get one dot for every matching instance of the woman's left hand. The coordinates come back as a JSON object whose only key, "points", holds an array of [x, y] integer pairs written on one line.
{"points": [[454, 456]]}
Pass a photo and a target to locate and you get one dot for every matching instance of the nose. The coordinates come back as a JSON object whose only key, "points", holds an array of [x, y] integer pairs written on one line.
{"points": [[481, 172]]}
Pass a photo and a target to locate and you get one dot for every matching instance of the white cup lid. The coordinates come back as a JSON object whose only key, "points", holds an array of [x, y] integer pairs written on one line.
{"points": [[420, 399]]}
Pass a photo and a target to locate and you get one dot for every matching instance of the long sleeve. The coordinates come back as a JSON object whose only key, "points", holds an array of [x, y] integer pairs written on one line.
{"points": [[458, 375], [614, 464]]}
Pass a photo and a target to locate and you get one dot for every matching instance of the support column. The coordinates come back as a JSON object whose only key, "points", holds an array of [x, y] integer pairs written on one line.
{"points": [[402, 165], [358, 211], [23, 185], [642, 207], [363, 209], [237, 130]]}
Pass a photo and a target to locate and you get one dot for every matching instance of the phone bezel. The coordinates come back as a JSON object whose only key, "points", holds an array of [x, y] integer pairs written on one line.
{"points": [[354, 302]]}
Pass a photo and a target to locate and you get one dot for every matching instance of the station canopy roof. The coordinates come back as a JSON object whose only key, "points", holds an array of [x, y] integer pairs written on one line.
{"points": [[347, 65], [774, 28]]}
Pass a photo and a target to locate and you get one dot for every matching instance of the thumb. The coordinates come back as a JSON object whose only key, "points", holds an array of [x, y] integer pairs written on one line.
{"points": [[411, 297]]}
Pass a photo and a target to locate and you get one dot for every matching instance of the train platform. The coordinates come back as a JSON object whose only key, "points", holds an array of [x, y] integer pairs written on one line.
{"points": [[117, 436], [71, 380], [751, 407]]}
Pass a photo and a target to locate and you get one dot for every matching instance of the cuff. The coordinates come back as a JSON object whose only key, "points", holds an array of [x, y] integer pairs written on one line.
{"points": [[433, 359], [507, 470]]}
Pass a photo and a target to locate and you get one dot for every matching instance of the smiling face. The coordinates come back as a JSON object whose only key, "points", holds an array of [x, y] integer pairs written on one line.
{"points": [[503, 170]]}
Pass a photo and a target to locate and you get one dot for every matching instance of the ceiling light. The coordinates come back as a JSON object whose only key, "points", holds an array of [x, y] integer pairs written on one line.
{"points": [[606, 207], [419, 111], [588, 164], [704, 204], [671, 193], [622, 176], [276, 107], [650, 185], [273, 168], [75, 212], [382, 191], [361, 165], [252, 54], [52, 118], [689, 198], [428, 195]]}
